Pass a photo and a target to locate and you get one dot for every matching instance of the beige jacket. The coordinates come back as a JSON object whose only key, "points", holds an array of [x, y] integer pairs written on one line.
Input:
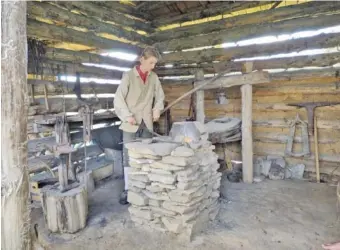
{"points": [[134, 98]]}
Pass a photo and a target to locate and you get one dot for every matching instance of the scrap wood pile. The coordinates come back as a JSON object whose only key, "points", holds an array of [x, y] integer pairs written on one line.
{"points": [[223, 130]]}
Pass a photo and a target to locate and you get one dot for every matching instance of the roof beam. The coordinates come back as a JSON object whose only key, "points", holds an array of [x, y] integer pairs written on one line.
{"points": [[322, 60], [215, 9], [269, 16], [249, 31], [90, 9], [44, 31], [225, 54], [58, 15], [63, 87], [84, 57], [50, 68]]}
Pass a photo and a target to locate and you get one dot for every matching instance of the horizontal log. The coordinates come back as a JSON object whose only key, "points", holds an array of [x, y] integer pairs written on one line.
{"points": [[219, 8], [261, 17], [104, 14], [229, 81], [43, 124], [279, 148], [326, 167], [323, 60], [43, 162], [62, 17], [62, 87], [302, 75], [38, 145], [56, 104], [226, 54], [50, 67], [248, 31], [50, 119], [44, 31], [84, 57], [123, 8]]}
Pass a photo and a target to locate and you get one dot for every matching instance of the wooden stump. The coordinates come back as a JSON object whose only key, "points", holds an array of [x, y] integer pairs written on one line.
{"points": [[65, 212]]}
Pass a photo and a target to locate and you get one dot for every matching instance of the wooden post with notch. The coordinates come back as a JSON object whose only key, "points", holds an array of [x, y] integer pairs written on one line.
{"points": [[15, 214], [200, 116], [247, 137]]}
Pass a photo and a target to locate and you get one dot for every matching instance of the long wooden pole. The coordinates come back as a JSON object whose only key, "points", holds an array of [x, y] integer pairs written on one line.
{"points": [[316, 150], [15, 218], [247, 136], [198, 87]]}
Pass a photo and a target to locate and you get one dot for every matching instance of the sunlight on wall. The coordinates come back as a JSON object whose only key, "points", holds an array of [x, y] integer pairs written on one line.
{"points": [[268, 39], [106, 66], [308, 52], [231, 14], [121, 55], [88, 80]]}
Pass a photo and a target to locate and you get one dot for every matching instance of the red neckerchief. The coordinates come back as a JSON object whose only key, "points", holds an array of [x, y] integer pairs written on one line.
{"points": [[142, 75]]}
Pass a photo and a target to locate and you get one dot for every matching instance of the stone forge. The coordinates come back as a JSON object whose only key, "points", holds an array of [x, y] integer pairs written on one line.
{"points": [[174, 183]]}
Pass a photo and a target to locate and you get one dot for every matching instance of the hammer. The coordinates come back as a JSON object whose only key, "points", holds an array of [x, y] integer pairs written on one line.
{"points": [[310, 106]]}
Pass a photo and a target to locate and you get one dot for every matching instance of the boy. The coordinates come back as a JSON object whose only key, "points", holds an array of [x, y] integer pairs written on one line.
{"points": [[138, 102]]}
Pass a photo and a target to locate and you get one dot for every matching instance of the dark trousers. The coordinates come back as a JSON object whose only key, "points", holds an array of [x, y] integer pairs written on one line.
{"points": [[142, 132]]}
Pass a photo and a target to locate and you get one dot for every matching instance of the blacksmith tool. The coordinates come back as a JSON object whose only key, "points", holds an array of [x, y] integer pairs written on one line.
{"points": [[63, 151], [310, 106]]}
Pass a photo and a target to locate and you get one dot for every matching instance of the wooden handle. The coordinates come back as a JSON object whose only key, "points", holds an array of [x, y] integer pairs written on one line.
{"points": [[317, 167]]}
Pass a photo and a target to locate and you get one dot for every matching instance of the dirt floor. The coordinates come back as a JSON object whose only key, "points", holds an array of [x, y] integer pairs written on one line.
{"points": [[270, 215]]}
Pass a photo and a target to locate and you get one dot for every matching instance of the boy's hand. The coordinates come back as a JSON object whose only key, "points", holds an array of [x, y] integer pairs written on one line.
{"points": [[131, 120], [155, 115]]}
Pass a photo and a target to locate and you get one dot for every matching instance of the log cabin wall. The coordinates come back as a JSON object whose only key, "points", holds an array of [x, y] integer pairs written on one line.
{"points": [[271, 117], [198, 45]]}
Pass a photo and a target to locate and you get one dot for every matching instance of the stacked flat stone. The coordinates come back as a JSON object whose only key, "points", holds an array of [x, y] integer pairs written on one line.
{"points": [[174, 183]]}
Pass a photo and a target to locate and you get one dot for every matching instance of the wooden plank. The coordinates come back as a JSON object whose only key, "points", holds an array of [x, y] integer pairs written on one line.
{"points": [[219, 8], [248, 31], [123, 8], [51, 32], [109, 15], [323, 60], [311, 9], [200, 99], [62, 87], [50, 67], [226, 54], [237, 80], [302, 75], [37, 145], [84, 57], [65, 18], [56, 104], [15, 212], [41, 163], [327, 152], [51, 118], [247, 136]]}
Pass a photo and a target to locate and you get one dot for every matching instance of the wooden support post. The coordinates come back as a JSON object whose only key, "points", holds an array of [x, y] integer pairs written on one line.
{"points": [[247, 138], [199, 76], [15, 218], [316, 150]]}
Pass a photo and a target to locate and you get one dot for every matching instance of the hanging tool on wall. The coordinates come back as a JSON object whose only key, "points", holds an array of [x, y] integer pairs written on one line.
{"points": [[304, 135], [310, 107], [63, 151], [86, 110]]}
